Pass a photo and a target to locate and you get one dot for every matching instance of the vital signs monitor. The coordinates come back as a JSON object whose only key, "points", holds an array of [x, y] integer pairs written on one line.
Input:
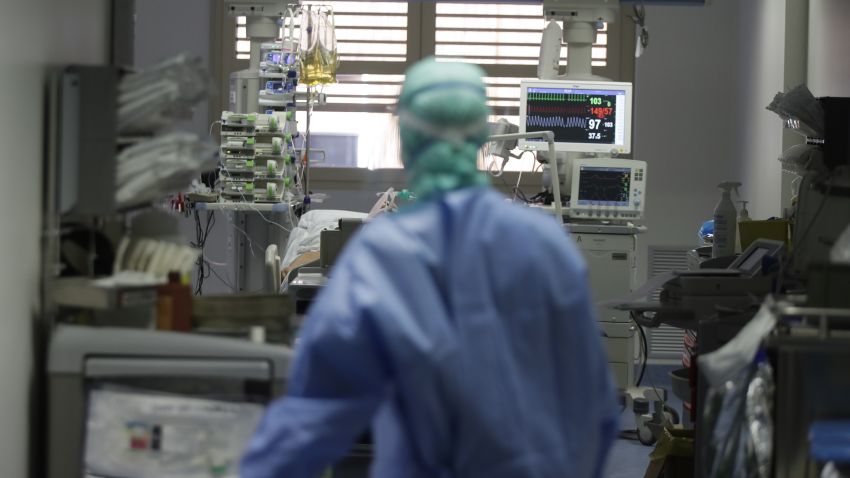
{"points": [[586, 116], [608, 189]]}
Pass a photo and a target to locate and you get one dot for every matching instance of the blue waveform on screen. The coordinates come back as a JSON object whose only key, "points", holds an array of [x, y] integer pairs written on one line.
{"points": [[556, 121]]}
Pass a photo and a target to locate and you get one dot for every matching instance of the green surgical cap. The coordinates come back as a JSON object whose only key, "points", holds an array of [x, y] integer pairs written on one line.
{"points": [[443, 116]]}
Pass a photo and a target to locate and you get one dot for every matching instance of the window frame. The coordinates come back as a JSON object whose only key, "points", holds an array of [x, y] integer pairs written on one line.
{"points": [[422, 17]]}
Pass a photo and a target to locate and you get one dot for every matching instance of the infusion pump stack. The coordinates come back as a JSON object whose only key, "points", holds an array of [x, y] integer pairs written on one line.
{"points": [[603, 191]]}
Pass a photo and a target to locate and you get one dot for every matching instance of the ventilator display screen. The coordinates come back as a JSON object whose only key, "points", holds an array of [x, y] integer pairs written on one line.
{"points": [[577, 115], [601, 186]]}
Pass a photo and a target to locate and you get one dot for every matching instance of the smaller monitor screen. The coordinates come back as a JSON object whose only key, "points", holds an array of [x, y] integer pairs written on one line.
{"points": [[603, 186]]}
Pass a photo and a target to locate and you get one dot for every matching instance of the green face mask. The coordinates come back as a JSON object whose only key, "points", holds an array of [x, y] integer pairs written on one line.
{"points": [[442, 122]]}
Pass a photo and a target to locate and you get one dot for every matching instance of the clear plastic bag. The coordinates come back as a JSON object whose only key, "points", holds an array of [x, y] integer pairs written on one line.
{"points": [[800, 110], [840, 252], [759, 422], [797, 158], [739, 404], [319, 58], [150, 435], [739, 415], [832, 471], [159, 166], [155, 98]]}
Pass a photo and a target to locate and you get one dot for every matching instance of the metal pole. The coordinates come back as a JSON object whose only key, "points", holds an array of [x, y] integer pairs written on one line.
{"points": [[306, 184]]}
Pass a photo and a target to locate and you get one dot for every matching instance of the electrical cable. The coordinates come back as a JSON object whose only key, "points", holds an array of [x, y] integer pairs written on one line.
{"points": [[244, 233], [517, 191], [644, 349], [214, 263], [212, 125], [504, 182], [201, 235], [662, 397], [223, 280], [269, 221]]}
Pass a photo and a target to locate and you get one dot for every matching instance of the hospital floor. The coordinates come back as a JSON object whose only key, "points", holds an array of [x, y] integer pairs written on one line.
{"points": [[628, 459]]}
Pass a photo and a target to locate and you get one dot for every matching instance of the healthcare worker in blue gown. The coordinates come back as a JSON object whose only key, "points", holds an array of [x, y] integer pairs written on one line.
{"points": [[461, 330]]}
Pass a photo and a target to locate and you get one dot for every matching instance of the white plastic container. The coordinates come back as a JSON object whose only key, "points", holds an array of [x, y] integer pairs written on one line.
{"points": [[725, 222]]}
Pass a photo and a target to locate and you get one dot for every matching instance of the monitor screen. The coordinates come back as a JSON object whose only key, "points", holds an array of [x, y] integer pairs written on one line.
{"points": [[753, 262], [585, 116], [603, 186]]}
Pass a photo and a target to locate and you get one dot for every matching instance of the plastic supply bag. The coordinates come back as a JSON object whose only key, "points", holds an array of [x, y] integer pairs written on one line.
{"points": [[759, 423], [319, 59], [800, 111], [739, 404], [727, 362], [831, 471], [146, 435], [739, 415], [157, 97], [840, 252], [798, 158], [154, 168]]}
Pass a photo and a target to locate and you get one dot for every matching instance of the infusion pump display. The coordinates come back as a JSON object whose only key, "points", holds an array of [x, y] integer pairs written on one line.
{"points": [[584, 116], [610, 189]]}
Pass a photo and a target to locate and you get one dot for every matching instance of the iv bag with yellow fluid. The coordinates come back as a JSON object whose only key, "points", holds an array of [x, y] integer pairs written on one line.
{"points": [[319, 58]]}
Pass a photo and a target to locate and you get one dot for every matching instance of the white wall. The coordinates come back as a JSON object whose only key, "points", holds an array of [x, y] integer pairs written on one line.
{"points": [[682, 122], [829, 36], [33, 35], [760, 75]]}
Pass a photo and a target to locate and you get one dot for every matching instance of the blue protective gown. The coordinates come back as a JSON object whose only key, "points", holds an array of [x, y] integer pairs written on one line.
{"points": [[463, 331]]}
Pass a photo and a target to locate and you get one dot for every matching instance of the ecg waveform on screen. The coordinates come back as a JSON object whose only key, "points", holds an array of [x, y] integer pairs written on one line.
{"points": [[556, 121], [576, 98]]}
